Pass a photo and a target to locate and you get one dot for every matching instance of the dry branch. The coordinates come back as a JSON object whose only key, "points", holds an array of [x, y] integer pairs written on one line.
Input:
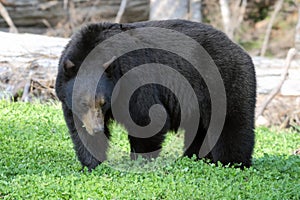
{"points": [[8, 20], [26, 91], [291, 54], [121, 11], [269, 28]]}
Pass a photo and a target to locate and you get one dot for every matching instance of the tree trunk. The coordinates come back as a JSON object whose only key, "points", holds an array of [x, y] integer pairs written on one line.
{"points": [[269, 28], [168, 9], [195, 10], [225, 12]]}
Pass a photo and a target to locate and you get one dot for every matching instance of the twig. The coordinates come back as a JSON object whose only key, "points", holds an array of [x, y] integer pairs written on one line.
{"points": [[285, 122], [26, 91], [269, 28], [46, 22], [290, 55], [41, 86], [47, 5], [37, 81], [6, 17], [27, 88], [121, 11]]}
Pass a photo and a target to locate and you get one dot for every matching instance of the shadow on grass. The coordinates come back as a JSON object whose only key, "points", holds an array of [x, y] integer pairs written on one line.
{"points": [[280, 163]]}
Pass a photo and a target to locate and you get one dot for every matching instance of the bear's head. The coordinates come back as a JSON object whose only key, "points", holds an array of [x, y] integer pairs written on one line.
{"points": [[90, 105]]}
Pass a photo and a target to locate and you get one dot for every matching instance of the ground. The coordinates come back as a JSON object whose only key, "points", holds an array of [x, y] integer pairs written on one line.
{"points": [[37, 161]]}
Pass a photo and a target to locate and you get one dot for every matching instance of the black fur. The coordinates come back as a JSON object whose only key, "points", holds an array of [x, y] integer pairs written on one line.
{"points": [[235, 66]]}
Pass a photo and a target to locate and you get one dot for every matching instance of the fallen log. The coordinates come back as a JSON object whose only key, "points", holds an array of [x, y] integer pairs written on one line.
{"points": [[26, 58]]}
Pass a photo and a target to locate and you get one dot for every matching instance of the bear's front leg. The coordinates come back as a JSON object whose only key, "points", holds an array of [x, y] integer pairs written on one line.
{"points": [[90, 151]]}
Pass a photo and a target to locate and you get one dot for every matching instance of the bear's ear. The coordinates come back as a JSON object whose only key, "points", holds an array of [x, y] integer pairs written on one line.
{"points": [[107, 64], [69, 67]]}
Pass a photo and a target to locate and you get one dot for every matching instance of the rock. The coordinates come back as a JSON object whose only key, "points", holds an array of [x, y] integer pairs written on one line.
{"points": [[262, 121]]}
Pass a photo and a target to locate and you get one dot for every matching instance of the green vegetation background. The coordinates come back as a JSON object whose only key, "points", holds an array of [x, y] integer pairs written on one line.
{"points": [[37, 162]]}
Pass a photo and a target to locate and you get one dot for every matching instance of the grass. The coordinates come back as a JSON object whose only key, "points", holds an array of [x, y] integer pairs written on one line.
{"points": [[37, 162]]}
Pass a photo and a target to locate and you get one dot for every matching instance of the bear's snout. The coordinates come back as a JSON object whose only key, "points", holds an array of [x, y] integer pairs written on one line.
{"points": [[98, 129], [93, 121]]}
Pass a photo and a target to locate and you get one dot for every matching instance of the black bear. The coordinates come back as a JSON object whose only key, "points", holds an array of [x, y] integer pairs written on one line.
{"points": [[236, 141]]}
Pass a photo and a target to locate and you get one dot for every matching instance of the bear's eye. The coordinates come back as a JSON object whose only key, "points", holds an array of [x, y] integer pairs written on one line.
{"points": [[84, 104], [102, 102]]}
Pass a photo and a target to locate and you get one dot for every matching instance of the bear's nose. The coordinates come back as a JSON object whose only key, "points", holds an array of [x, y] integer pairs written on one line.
{"points": [[98, 129]]}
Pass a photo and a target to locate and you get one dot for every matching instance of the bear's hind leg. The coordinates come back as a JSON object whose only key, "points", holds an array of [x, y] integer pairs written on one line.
{"points": [[146, 147], [192, 143], [236, 143]]}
